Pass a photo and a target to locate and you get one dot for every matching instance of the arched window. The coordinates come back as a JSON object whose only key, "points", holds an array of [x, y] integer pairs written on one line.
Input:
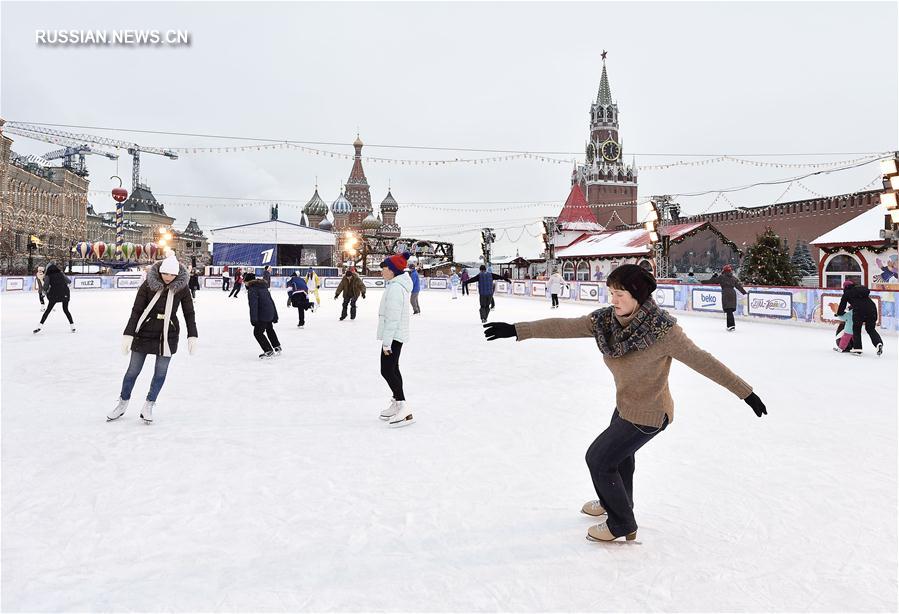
{"points": [[568, 271], [583, 271], [841, 268]]}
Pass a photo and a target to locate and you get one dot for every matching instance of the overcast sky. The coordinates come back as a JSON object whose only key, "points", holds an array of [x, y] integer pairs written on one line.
{"points": [[689, 78]]}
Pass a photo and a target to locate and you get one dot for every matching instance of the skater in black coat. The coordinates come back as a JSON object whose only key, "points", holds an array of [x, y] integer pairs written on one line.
{"points": [[864, 313], [263, 314], [194, 283], [153, 328], [298, 296], [56, 286], [729, 285]]}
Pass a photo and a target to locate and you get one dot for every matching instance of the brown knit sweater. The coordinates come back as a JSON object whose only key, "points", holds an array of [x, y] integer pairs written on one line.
{"points": [[641, 377]]}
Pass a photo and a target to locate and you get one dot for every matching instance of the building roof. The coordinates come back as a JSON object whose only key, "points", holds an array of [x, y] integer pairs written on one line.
{"points": [[192, 228], [341, 206], [678, 231], [316, 206], [610, 243], [863, 229], [576, 214], [272, 232], [604, 96], [142, 199], [389, 203]]}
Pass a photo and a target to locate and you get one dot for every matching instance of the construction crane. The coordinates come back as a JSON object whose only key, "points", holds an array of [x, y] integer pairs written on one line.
{"points": [[73, 157], [60, 137]]}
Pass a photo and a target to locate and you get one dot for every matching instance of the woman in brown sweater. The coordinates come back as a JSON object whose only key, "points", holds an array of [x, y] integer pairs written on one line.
{"points": [[638, 341]]}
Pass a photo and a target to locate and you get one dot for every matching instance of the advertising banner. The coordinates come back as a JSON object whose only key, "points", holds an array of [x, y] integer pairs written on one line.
{"points": [[565, 292], [372, 282], [500, 286], [828, 299], [212, 282], [437, 283], [14, 283], [538, 289], [84, 283], [664, 296], [588, 292], [519, 287], [770, 304], [244, 254], [706, 300], [128, 281], [330, 282]]}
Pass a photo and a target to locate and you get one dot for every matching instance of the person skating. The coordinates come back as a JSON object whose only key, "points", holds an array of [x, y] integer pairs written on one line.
{"points": [[454, 283], [153, 328], [844, 330], [56, 285], [393, 331], [416, 288], [313, 284], [226, 279], [485, 289], [263, 315], [238, 282], [39, 285], [638, 341], [193, 283], [554, 284], [267, 275], [464, 278], [298, 296], [352, 288], [729, 284], [864, 313]]}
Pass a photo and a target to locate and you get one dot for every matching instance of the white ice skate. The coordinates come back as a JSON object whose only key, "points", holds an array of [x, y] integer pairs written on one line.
{"points": [[593, 508], [402, 417], [278, 351], [118, 411], [390, 412], [601, 533], [146, 414], [880, 349], [267, 355]]}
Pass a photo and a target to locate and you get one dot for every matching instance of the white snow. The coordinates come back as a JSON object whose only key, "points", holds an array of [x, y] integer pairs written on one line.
{"points": [[860, 229], [273, 486]]}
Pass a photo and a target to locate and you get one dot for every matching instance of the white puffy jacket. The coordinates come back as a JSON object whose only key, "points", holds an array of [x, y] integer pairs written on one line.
{"points": [[555, 283], [393, 313]]}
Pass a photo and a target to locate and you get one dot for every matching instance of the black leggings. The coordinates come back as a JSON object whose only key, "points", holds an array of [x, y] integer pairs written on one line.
{"points": [[870, 327], [730, 318], [464, 288], [262, 329], [236, 290], [390, 370], [65, 309], [555, 300]]}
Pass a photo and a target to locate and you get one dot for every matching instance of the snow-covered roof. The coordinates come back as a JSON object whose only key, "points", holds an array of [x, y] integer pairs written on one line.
{"points": [[272, 231], [612, 243], [864, 228], [676, 231], [576, 214]]}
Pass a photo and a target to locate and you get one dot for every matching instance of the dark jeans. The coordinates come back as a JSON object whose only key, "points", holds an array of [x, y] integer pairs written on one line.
{"points": [[351, 301], [262, 329], [555, 298], [236, 290], [730, 318], [413, 300], [302, 311], [610, 459], [870, 327], [485, 305], [390, 370], [52, 304], [134, 369], [226, 283], [193, 293], [464, 289]]}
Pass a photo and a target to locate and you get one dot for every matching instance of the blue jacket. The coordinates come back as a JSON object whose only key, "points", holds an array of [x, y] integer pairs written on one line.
{"points": [[485, 282], [416, 283], [262, 307], [297, 283]]}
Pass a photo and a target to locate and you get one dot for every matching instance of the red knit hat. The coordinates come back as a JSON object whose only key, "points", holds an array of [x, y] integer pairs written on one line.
{"points": [[397, 262], [728, 268]]}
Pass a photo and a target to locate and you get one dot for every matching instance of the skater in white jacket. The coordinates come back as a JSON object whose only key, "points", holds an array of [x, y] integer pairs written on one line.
{"points": [[393, 331], [454, 282], [555, 284]]}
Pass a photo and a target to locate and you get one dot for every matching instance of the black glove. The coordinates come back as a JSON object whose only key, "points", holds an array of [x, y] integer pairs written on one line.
{"points": [[499, 330], [756, 404]]}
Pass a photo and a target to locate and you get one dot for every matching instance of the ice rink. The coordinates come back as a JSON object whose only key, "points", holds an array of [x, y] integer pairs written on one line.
{"points": [[273, 485]]}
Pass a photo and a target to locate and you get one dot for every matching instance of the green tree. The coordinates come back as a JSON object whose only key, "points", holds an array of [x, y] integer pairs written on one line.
{"points": [[767, 263], [802, 260]]}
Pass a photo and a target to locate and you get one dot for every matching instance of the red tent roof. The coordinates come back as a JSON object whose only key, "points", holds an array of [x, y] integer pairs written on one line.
{"points": [[576, 209]]}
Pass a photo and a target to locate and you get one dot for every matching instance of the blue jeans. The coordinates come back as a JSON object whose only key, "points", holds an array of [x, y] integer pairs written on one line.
{"points": [[134, 369], [610, 459]]}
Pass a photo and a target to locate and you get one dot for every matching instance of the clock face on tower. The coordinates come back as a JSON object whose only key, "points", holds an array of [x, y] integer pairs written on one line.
{"points": [[610, 150]]}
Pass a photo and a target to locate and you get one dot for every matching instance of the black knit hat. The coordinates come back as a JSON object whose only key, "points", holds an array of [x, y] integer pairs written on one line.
{"points": [[635, 279], [249, 277]]}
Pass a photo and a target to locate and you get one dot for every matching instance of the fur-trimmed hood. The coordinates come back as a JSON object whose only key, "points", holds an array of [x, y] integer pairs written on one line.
{"points": [[257, 282], [154, 279]]}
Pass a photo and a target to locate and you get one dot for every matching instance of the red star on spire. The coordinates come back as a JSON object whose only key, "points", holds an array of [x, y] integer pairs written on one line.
{"points": [[603, 55]]}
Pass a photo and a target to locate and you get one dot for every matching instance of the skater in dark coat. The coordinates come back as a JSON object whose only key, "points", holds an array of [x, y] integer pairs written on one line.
{"points": [[263, 315], [464, 277], [485, 289], [729, 285], [864, 314], [194, 283], [638, 340], [267, 275], [298, 296], [56, 285], [154, 329], [352, 288]]}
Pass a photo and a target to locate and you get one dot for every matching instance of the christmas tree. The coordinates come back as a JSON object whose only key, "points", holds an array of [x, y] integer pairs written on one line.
{"points": [[802, 260], [767, 263]]}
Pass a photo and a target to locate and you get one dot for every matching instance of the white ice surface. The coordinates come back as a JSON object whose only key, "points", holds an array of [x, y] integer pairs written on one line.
{"points": [[273, 486]]}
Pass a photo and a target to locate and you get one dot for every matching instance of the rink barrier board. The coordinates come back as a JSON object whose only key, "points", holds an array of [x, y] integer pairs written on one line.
{"points": [[804, 305]]}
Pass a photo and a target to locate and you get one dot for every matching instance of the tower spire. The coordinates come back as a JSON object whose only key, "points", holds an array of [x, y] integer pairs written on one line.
{"points": [[604, 97]]}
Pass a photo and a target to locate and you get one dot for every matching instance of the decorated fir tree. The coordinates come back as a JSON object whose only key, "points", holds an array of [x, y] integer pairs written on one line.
{"points": [[767, 263], [802, 260]]}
